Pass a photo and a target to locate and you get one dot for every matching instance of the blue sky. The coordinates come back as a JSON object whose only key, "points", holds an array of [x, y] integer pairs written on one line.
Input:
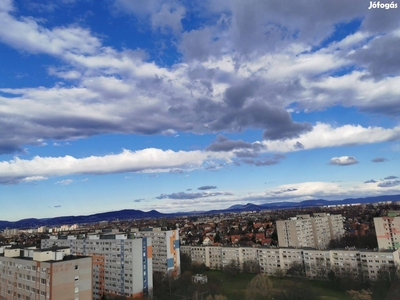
{"points": [[182, 105]]}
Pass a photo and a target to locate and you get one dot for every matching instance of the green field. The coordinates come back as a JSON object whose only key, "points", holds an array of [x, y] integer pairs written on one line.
{"points": [[235, 288]]}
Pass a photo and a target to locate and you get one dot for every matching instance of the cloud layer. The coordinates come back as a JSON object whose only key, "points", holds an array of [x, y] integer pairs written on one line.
{"points": [[234, 74], [147, 160]]}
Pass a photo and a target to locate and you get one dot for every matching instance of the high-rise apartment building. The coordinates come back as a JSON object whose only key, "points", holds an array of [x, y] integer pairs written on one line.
{"points": [[122, 264], [166, 252], [388, 230], [306, 231], [10, 232], [44, 274]]}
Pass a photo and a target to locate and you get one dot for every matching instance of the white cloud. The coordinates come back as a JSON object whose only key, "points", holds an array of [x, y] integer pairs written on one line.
{"points": [[343, 161], [65, 182], [160, 14], [324, 135], [34, 178], [168, 16], [146, 160], [28, 35]]}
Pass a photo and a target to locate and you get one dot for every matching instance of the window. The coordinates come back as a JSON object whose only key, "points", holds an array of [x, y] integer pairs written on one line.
{"points": [[76, 267]]}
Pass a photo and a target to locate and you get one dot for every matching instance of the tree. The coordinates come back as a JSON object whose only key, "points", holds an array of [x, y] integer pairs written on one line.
{"points": [[217, 237], [274, 235], [280, 273], [384, 282], [251, 266], [198, 268], [259, 287], [232, 268], [163, 286], [297, 291], [332, 276], [296, 269], [186, 262], [394, 291], [360, 295]]}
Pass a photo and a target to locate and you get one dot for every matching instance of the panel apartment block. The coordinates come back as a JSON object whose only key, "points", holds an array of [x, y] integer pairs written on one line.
{"points": [[122, 264], [166, 251], [305, 231], [388, 230], [44, 274], [317, 263]]}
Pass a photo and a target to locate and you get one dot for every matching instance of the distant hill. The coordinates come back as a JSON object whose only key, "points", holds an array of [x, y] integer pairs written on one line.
{"points": [[107, 216], [127, 214]]}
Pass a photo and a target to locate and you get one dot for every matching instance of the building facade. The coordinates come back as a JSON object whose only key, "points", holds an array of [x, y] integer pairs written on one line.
{"points": [[388, 230], [305, 231], [316, 263], [122, 264], [166, 251], [44, 274]]}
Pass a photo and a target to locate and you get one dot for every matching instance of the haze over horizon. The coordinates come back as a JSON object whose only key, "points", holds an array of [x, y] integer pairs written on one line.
{"points": [[180, 106]]}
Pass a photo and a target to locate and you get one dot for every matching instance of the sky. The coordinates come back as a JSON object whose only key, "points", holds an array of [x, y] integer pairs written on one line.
{"points": [[195, 105]]}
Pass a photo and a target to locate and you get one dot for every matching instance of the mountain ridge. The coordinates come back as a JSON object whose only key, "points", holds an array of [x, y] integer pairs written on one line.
{"points": [[126, 214]]}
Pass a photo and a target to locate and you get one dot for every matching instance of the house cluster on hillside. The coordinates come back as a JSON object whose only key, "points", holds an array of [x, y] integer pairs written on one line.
{"points": [[226, 230]]}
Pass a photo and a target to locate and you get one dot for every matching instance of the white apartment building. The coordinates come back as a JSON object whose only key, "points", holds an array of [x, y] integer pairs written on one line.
{"points": [[44, 274], [388, 230], [305, 231], [122, 264], [316, 263], [166, 251], [10, 232]]}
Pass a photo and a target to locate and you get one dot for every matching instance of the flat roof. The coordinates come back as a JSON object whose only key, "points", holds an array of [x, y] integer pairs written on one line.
{"points": [[55, 248]]}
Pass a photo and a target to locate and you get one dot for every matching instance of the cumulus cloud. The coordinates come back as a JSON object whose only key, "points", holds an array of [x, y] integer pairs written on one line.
{"points": [[389, 183], [390, 177], [284, 191], [343, 161], [222, 143], [207, 187], [146, 161], [379, 159], [298, 146], [379, 57], [370, 181], [325, 135], [161, 15], [65, 182], [264, 161], [35, 38]]}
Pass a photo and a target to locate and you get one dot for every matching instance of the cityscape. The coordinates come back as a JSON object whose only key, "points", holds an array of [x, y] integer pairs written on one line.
{"points": [[187, 150], [136, 258]]}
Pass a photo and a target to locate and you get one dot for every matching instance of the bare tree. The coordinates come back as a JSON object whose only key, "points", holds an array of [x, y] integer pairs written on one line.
{"points": [[360, 295], [259, 286]]}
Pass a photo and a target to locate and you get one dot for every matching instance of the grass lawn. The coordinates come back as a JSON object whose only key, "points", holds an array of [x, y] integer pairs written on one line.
{"points": [[235, 288]]}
